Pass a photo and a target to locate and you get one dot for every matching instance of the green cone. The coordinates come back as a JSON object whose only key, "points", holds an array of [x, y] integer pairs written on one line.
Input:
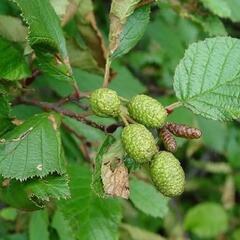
{"points": [[105, 102], [139, 143], [167, 174], [148, 111]]}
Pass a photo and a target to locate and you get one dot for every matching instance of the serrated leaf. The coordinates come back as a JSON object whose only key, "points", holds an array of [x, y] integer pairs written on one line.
{"points": [[12, 29], [218, 7], [15, 195], [90, 217], [34, 193], [207, 79], [51, 187], [119, 13], [38, 226], [97, 184], [206, 220], [46, 38], [132, 31], [147, 199], [12, 63], [32, 149], [44, 26], [55, 70]]}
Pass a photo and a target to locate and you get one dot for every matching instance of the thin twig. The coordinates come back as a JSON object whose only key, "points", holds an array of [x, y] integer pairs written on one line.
{"points": [[28, 81], [55, 107], [107, 73], [75, 97], [78, 116], [125, 121], [171, 107]]}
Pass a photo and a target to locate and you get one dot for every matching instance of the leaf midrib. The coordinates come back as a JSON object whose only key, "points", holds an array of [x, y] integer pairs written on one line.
{"points": [[209, 91]]}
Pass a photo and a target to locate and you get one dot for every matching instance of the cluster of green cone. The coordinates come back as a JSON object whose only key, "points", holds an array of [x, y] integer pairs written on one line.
{"points": [[139, 143]]}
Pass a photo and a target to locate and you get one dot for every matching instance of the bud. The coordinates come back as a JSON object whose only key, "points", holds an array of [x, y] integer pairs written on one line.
{"points": [[184, 131], [168, 140]]}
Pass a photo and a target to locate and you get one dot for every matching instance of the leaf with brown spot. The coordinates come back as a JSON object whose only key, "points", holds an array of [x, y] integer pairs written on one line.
{"points": [[128, 22], [115, 179], [54, 121], [33, 148], [110, 177]]}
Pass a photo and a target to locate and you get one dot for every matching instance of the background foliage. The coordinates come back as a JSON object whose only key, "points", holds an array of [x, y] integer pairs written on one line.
{"points": [[50, 48]]}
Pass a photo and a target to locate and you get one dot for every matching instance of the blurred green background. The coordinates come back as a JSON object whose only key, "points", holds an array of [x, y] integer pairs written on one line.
{"points": [[209, 208]]}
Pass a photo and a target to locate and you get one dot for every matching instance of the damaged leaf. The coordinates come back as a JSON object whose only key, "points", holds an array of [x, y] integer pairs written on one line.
{"points": [[124, 32], [115, 178], [32, 149]]}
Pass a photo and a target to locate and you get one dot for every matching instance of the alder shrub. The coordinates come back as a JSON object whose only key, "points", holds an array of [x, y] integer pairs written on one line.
{"points": [[119, 119]]}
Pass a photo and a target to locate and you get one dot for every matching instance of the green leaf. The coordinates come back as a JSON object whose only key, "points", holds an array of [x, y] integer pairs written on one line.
{"points": [[110, 177], [38, 226], [46, 38], [147, 199], [51, 187], [12, 63], [16, 196], [207, 79], [4, 106], [218, 7], [8, 214], [234, 5], [90, 217], [82, 58], [123, 9], [32, 149], [60, 6], [132, 31], [119, 14], [35, 193], [44, 26], [57, 72], [97, 184], [60, 224], [12, 29], [210, 24], [206, 220], [139, 234]]}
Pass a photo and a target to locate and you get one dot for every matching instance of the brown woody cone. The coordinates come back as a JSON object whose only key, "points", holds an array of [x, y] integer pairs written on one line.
{"points": [[168, 140], [184, 131]]}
